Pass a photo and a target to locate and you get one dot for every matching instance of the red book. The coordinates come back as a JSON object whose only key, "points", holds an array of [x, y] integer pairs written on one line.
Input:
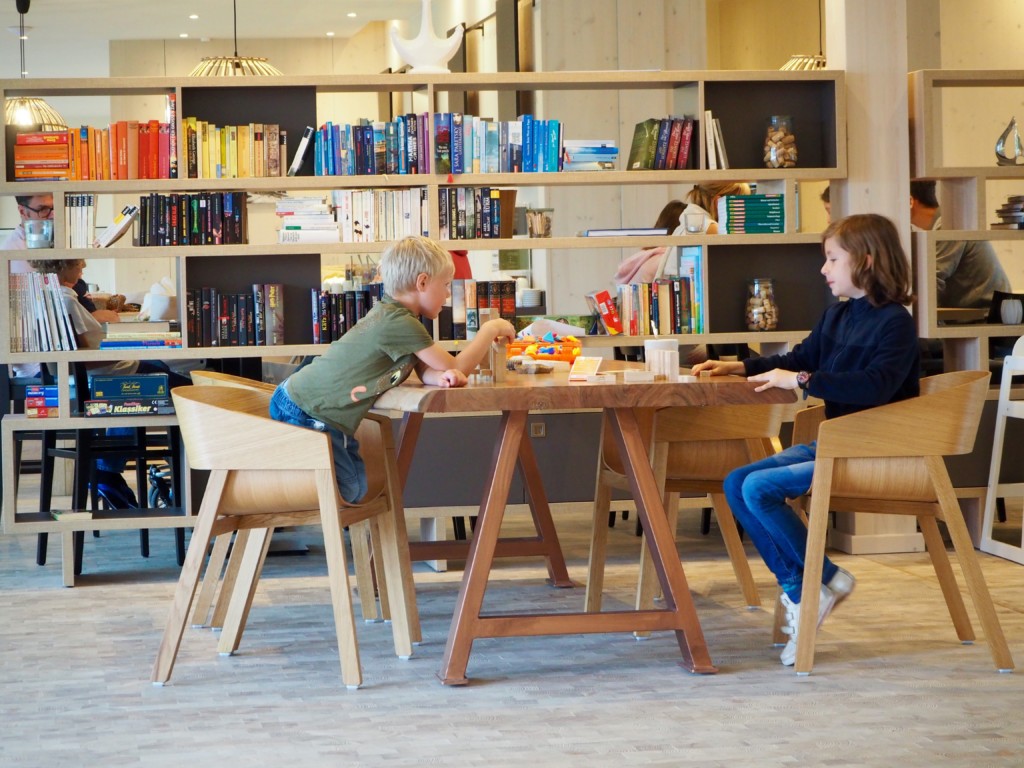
{"points": [[603, 305], [684, 145], [42, 137], [143, 160], [119, 138], [153, 169], [131, 132], [163, 152], [84, 162]]}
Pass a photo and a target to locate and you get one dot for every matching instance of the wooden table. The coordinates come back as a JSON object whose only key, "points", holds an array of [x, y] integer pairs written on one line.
{"points": [[515, 397]]}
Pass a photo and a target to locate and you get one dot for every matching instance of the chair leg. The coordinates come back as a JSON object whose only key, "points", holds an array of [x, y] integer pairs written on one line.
{"points": [[214, 566], [358, 534], [814, 560], [179, 545], [337, 576], [947, 581], [380, 587], [598, 546], [239, 600], [737, 555], [388, 557], [42, 540], [969, 564], [47, 442], [189, 579], [227, 585], [144, 542]]}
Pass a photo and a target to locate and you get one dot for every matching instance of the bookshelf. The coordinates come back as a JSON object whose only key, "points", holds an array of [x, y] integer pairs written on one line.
{"points": [[741, 100], [946, 106]]}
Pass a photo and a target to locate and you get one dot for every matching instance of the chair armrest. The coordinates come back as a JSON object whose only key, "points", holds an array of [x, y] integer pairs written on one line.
{"points": [[806, 423]]}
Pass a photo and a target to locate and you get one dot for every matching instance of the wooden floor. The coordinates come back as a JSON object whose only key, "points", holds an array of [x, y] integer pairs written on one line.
{"points": [[892, 686]]}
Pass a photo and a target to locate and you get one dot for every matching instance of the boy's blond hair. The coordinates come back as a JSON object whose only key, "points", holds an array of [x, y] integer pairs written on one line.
{"points": [[404, 259]]}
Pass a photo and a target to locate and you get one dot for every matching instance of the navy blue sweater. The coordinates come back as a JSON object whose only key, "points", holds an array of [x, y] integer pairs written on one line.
{"points": [[860, 357]]}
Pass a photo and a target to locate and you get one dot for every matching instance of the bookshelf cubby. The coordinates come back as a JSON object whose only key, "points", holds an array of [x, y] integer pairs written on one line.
{"points": [[971, 186], [741, 100]]}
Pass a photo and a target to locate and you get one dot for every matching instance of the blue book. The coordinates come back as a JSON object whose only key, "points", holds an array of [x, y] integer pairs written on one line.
{"points": [[529, 144], [458, 155]]}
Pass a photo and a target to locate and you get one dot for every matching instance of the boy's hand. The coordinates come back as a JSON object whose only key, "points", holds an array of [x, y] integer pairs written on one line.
{"points": [[500, 329], [452, 378], [718, 367]]}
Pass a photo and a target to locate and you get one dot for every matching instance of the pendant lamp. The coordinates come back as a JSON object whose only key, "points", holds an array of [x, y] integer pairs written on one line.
{"points": [[805, 61], [30, 111], [234, 66]]}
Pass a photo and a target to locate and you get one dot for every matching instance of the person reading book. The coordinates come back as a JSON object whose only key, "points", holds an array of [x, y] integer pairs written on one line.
{"points": [[862, 353], [110, 483], [333, 393]]}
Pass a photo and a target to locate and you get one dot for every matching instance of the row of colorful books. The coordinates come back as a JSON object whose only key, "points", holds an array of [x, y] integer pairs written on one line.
{"points": [[663, 144], [234, 151], [125, 149], [751, 214], [38, 317], [197, 218], [462, 314], [334, 313], [380, 215], [79, 219], [661, 308], [215, 318], [468, 213]]}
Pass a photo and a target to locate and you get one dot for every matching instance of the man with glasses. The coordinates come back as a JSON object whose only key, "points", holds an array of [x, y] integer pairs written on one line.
{"points": [[29, 207]]}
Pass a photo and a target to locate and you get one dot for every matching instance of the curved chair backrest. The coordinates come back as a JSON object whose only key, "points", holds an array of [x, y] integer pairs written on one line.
{"points": [[218, 379], [704, 443]]}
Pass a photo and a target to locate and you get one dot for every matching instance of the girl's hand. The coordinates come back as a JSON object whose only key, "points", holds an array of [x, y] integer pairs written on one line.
{"points": [[775, 378]]}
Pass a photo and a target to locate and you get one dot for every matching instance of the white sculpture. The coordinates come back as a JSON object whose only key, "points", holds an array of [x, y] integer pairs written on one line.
{"points": [[426, 53]]}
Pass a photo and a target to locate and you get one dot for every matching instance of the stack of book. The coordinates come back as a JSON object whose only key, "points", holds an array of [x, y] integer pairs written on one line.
{"points": [[139, 334], [751, 214], [41, 401], [306, 220], [1010, 213], [336, 312], [79, 219], [662, 145], [468, 213], [139, 394], [39, 317], [380, 215], [589, 155], [217, 318], [234, 151], [197, 218], [42, 156]]}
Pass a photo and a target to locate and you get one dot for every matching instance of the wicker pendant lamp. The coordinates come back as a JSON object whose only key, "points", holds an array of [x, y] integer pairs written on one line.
{"points": [[234, 66]]}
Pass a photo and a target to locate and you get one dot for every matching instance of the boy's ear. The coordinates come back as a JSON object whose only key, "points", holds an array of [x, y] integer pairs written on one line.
{"points": [[422, 280]]}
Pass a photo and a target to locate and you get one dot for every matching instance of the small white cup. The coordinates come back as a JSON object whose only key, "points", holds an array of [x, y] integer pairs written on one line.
{"points": [[39, 233], [694, 223]]}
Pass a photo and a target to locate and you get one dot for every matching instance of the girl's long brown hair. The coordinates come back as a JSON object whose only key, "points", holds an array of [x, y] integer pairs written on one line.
{"points": [[879, 265]]}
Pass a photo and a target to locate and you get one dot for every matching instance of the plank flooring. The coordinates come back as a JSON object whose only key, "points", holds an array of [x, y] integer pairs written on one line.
{"points": [[891, 685]]}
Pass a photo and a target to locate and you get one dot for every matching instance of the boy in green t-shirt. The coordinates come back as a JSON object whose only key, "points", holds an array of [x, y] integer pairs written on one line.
{"points": [[334, 392]]}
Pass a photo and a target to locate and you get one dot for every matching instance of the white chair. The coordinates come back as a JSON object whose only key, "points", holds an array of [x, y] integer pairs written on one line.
{"points": [[1013, 365]]}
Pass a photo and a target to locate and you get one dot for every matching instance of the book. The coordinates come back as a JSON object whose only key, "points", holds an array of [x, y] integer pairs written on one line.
{"points": [[723, 158], [584, 366], [644, 145], [624, 232], [273, 313], [300, 150], [121, 224], [137, 327], [131, 386], [128, 406], [603, 306], [709, 140]]}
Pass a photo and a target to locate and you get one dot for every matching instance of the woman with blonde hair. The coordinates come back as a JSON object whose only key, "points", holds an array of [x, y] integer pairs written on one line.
{"points": [[703, 199]]}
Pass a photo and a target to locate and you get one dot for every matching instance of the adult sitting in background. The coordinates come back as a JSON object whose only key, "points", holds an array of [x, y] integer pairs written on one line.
{"points": [[30, 208], [647, 264], [110, 483], [966, 271], [703, 199]]}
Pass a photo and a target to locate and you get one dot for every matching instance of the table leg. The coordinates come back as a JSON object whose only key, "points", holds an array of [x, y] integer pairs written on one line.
{"points": [[541, 513], [661, 541], [408, 436], [481, 550]]}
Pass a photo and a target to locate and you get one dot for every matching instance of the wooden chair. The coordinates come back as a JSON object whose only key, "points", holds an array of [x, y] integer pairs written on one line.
{"points": [[692, 449], [290, 483], [369, 580], [889, 460], [1013, 365]]}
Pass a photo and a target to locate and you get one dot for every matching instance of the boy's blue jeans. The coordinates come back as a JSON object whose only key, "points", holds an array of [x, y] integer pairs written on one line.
{"points": [[757, 495], [348, 464]]}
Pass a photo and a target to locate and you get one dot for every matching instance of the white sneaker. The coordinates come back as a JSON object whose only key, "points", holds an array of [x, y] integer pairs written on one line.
{"points": [[842, 585], [826, 602]]}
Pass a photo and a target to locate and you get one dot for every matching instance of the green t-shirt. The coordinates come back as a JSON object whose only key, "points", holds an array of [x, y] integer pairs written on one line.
{"points": [[378, 353]]}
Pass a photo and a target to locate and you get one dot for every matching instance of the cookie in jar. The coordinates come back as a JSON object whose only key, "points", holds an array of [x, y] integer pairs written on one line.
{"points": [[762, 311]]}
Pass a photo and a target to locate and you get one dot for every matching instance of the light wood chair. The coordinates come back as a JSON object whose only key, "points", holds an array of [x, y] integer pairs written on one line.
{"points": [[291, 482], [889, 460], [1013, 365], [368, 579], [692, 450]]}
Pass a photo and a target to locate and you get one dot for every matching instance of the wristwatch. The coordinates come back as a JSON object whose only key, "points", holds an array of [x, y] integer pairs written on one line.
{"points": [[803, 379]]}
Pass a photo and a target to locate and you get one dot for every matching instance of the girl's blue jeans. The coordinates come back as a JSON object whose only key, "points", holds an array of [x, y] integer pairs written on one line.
{"points": [[757, 495], [349, 468]]}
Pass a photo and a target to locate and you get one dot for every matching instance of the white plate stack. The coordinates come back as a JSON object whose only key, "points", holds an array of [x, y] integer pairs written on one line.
{"points": [[530, 297]]}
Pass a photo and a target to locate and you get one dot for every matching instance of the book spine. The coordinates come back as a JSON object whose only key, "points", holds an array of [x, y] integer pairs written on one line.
{"points": [[273, 294]]}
